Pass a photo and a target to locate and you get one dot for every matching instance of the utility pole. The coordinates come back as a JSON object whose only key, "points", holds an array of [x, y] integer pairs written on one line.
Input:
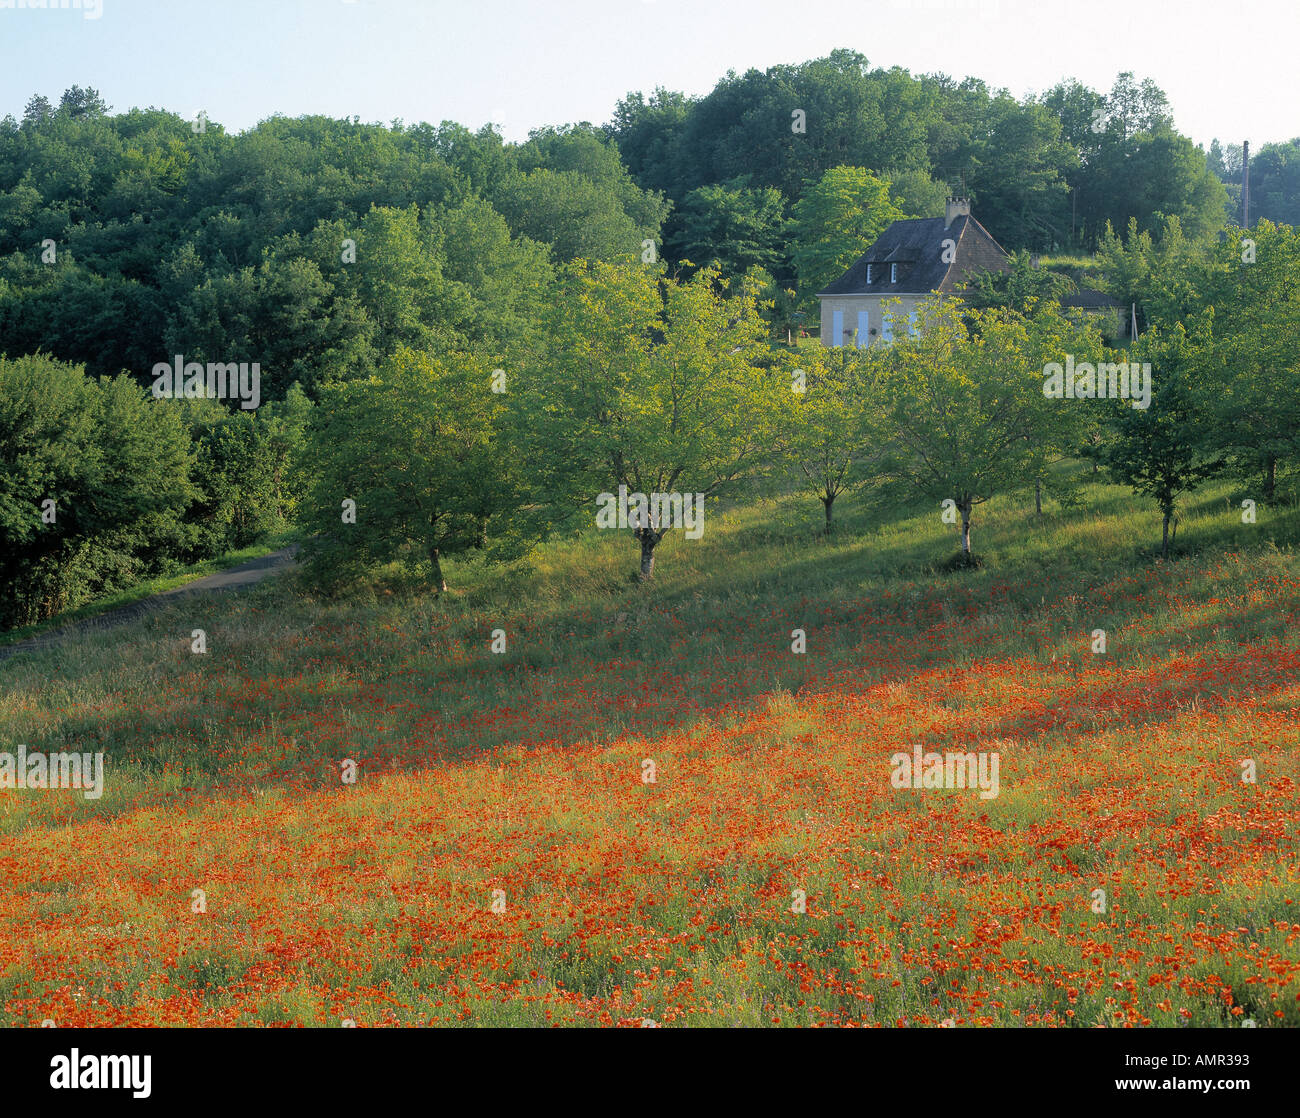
{"points": [[1245, 184]]}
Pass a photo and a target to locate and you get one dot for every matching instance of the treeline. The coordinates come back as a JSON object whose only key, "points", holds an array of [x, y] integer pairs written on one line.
{"points": [[319, 247], [103, 486], [647, 383], [656, 385], [390, 272], [316, 247], [1043, 172], [1274, 179]]}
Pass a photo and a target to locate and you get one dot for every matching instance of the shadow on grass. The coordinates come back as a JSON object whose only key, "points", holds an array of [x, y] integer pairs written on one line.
{"points": [[410, 682]]}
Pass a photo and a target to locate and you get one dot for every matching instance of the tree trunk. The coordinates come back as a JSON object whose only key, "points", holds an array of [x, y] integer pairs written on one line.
{"points": [[1038, 498], [827, 503], [1164, 540], [965, 528], [438, 580], [648, 538], [1270, 478]]}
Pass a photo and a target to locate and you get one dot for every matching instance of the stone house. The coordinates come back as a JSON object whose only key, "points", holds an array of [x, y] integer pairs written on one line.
{"points": [[909, 262]]}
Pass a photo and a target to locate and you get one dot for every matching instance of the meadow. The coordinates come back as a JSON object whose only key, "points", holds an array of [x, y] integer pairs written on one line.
{"points": [[501, 858]]}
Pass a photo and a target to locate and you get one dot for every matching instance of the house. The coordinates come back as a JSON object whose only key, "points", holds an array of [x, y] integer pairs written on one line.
{"points": [[1111, 317], [909, 262]]}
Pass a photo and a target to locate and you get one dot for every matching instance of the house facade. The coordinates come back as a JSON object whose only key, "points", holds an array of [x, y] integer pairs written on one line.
{"points": [[1109, 316], [877, 297]]}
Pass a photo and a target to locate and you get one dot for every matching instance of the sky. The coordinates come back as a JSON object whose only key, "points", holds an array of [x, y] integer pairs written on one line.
{"points": [[1230, 70]]}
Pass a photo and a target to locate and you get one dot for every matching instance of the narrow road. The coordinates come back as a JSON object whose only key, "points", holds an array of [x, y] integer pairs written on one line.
{"points": [[235, 578]]}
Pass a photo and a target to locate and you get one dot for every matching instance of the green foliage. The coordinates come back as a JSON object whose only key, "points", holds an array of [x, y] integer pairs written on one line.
{"points": [[828, 430], [1130, 163], [68, 306], [569, 212], [1024, 288], [648, 131], [916, 194], [230, 245], [964, 416], [138, 485], [113, 463], [836, 221], [1017, 175], [230, 248], [648, 383], [415, 448], [1254, 360], [1166, 450], [1275, 184], [1163, 277], [732, 228], [243, 471], [283, 315], [1244, 295], [332, 252], [1041, 172], [571, 191]]}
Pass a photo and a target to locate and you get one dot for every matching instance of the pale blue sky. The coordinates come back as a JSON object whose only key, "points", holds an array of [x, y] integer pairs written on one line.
{"points": [[1230, 70]]}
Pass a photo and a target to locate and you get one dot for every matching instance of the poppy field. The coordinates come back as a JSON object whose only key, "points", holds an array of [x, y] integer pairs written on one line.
{"points": [[648, 809]]}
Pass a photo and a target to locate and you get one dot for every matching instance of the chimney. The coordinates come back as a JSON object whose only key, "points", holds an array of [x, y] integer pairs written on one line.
{"points": [[955, 208]]}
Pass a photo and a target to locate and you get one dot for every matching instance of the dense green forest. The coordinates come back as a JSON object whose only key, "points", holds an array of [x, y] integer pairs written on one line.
{"points": [[624, 289], [207, 243]]}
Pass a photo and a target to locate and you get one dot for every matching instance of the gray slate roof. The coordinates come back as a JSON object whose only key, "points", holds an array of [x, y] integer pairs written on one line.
{"points": [[916, 245], [1088, 298]]}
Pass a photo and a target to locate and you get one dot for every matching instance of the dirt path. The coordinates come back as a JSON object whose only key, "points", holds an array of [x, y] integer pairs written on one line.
{"points": [[236, 578]]}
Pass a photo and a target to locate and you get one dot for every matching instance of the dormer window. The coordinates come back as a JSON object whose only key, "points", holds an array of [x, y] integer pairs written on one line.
{"points": [[868, 273], [893, 273]]}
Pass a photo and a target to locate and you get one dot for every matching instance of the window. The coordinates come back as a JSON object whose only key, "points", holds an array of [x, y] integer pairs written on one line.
{"points": [[868, 273], [893, 273]]}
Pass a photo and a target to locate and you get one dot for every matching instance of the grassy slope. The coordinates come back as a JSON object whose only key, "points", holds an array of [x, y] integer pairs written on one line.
{"points": [[150, 587], [624, 900]]}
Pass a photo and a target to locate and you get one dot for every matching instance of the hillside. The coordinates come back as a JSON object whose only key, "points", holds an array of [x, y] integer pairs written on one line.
{"points": [[622, 899]]}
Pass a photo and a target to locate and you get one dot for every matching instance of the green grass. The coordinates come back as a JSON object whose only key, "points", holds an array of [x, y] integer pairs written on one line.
{"points": [[150, 587], [233, 757], [577, 603], [1083, 268]]}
